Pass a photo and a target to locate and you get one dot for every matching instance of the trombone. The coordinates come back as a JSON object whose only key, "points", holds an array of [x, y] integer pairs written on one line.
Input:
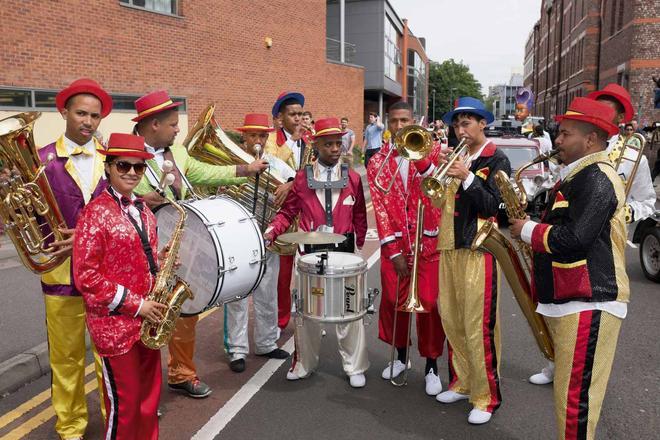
{"points": [[412, 304], [412, 142]]}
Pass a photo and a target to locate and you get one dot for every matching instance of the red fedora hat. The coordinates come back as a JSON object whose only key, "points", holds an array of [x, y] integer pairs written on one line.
{"points": [[590, 111], [152, 103], [619, 93], [327, 127], [86, 86], [256, 122], [122, 144]]}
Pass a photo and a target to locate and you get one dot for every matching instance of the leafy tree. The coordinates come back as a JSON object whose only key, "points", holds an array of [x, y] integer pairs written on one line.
{"points": [[450, 80]]}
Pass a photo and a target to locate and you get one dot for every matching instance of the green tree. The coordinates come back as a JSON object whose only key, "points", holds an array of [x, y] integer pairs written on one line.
{"points": [[450, 79]]}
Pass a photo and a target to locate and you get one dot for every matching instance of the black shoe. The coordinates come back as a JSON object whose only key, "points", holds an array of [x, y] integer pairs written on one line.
{"points": [[237, 365], [278, 353], [194, 388]]}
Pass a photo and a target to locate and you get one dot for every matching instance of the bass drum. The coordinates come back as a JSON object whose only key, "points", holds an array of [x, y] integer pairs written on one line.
{"points": [[222, 253]]}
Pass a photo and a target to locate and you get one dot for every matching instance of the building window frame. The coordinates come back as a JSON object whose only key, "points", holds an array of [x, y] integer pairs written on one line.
{"points": [[175, 7], [48, 95]]}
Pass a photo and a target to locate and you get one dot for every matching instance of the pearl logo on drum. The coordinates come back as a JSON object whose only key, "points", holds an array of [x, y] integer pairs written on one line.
{"points": [[349, 298]]}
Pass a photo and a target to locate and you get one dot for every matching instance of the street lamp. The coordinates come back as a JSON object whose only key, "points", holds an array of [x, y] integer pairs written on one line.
{"points": [[434, 105]]}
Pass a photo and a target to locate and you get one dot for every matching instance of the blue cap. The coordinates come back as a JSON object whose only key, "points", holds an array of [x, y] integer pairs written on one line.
{"points": [[287, 95], [467, 104]]}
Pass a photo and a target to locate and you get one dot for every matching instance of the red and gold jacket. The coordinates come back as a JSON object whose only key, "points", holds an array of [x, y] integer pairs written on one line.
{"points": [[349, 214], [396, 212], [112, 272]]}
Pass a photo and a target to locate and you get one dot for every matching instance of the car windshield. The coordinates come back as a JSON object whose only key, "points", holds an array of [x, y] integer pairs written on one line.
{"points": [[518, 156]]}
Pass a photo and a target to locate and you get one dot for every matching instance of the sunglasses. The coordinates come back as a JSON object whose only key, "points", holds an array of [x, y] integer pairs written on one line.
{"points": [[125, 167]]}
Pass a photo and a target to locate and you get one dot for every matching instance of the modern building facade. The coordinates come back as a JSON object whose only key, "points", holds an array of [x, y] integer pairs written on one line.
{"points": [[504, 102], [240, 58], [394, 59], [578, 46]]}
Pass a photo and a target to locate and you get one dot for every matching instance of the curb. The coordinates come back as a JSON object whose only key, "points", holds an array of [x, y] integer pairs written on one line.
{"points": [[23, 368]]}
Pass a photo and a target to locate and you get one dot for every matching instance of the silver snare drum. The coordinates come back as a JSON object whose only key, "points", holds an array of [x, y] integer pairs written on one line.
{"points": [[332, 287]]}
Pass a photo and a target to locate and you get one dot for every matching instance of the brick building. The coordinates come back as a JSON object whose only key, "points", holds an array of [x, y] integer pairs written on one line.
{"points": [[578, 46], [199, 51]]}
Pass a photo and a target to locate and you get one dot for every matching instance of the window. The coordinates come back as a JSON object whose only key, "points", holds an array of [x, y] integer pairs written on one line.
{"points": [[26, 99], [162, 6], [392, 52], [416, 83]]}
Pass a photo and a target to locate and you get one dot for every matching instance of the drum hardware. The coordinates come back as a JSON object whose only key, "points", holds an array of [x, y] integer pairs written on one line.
{"points": [[315, 237], [322, 263]]}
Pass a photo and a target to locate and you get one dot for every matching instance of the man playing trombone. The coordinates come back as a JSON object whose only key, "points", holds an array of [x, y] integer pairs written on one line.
{"points": [[395, 208]]}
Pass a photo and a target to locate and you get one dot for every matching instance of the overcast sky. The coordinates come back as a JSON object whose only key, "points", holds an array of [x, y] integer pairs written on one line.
{"points": [[487, 35]]}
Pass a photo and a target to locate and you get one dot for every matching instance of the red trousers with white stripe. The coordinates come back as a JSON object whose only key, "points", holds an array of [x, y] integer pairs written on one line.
{"points": [[284, 291], [131, 383], [468, 306], [430, 335]]}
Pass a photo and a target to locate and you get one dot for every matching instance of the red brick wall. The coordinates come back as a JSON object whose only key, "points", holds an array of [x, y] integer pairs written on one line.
{"points": [[214, 52]]}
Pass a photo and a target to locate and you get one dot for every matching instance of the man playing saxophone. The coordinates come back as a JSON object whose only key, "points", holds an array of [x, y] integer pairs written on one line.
{"points": [[470, 279], [397, 225], [157, 121], [640, 200], [115, 262], [255, 132], [579, 266]]}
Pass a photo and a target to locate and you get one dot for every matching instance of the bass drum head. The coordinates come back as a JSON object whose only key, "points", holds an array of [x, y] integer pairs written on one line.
{"points": [[198, 255]]}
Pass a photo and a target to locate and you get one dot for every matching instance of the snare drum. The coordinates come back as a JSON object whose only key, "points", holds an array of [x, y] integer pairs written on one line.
{"points": [[332, 290], [222, 253]]}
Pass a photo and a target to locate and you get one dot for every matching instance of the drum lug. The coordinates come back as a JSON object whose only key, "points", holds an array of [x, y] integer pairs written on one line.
{"points": [[212, 225], [244, 219], [232, 266], [369, 300]]}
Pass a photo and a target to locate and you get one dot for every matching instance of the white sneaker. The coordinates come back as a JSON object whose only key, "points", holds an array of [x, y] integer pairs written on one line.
{"points": [[357, 380], [398, 369], [433, 383], [546, 376], [323, 333], [450, 396], [479, 417], [290, 375]]}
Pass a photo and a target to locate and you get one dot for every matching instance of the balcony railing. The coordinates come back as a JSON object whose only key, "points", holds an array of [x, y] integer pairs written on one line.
{"points": [[332, 51]]}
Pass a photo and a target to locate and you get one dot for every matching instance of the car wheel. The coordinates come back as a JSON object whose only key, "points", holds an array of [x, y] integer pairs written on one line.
{"points": [[649, 253]]}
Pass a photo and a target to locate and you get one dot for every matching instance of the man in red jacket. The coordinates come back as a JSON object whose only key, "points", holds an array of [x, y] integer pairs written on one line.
{"points": [[396, 219], [338, 208]]}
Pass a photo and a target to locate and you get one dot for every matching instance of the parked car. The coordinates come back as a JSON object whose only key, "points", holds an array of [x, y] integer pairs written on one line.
{"points": [[647, 237], [537, 179]]}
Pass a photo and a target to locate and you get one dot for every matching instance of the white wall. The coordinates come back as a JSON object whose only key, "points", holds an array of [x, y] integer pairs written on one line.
{"points": [[50, 125]]}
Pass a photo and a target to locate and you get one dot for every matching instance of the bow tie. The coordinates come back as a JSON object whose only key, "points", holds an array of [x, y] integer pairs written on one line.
{"points": [[80, 150], [138, 203]]}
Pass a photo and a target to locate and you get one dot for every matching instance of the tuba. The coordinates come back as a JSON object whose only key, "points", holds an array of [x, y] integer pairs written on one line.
{"points": [[208, 143], [27, 205], [622, 151], [169, 288], [412, 142], [517, 272]]}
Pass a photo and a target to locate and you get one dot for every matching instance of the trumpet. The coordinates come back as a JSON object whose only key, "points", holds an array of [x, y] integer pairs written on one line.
{"points": [[620, 153], [412, 303], [435, 186], [412, 142]]}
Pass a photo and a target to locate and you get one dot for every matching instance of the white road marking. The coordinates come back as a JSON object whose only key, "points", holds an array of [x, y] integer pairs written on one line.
{"points": [[224, 415], [220, 419]]}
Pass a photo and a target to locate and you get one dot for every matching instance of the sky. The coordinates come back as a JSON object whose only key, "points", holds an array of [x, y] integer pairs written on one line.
{"points": [[487, 35]]}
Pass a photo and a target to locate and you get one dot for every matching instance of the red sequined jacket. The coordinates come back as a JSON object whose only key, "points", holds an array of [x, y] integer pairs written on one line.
{"points": [[112, 272], [396, 212]]}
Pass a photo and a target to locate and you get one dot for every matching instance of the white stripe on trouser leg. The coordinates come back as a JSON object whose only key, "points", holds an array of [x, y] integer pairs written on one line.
{"points": [[111, 399], [264, 299]]}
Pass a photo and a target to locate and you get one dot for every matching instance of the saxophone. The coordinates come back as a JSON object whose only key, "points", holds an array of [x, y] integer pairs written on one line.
{"points": [[517, 272], [169, 288]]}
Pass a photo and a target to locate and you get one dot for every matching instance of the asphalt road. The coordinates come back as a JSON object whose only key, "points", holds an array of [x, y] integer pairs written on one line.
{"points": [[324, 406]]}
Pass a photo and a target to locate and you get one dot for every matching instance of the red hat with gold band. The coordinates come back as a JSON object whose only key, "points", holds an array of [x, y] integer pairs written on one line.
{"points": [[122, 144], [619, 94], [327, 127], [592, 112], [153, 103], [256, 122], [84, 86]]}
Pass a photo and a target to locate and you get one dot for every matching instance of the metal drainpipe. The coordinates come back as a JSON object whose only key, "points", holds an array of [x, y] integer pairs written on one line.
{"points": [[342, 30]]}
